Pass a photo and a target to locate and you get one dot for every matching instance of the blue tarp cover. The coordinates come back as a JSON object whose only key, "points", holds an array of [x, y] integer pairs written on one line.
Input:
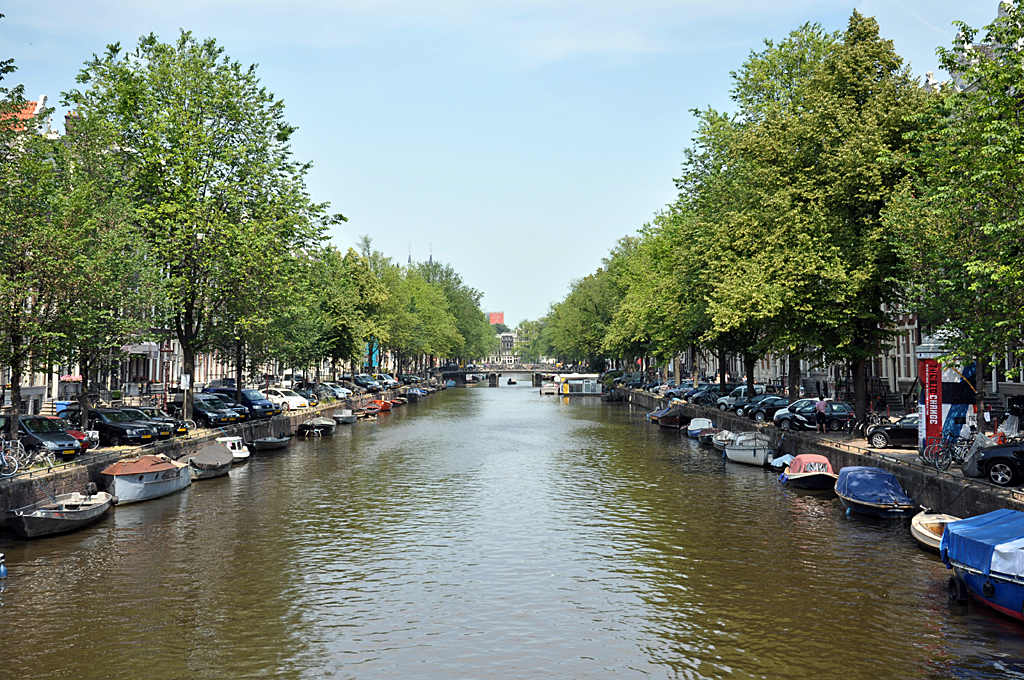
{"points": [[871, 485], [972, 541]]}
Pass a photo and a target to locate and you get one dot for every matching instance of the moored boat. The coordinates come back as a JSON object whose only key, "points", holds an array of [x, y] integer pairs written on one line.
{"points": [[720, 440], [873, 491], [272, 443], [60, 514], [694, 427], [239, 451], [927, 528], [212, 460], [140, 479], [986, 554], [511, 381], [657, 413], [316, 427], [345, 417], [382, 405], [809, 471], [705, 436], [750, 448], [674, 418]]}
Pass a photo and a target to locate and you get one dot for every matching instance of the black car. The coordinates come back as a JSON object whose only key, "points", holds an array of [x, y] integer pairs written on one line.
{"points": [[903, 432], [244, 414], [1003, 465], [163, 430], [366, 382], [208, 411], [765, 409], [685, 391], [40, 432], [408, 378], [259, 406], [115, 426], [745, 404], [836, 415], [154, 413]]}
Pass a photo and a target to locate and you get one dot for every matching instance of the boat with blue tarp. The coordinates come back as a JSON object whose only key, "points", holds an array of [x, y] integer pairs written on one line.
{"points": [[657, 413], [986, 554], [873, 491]]}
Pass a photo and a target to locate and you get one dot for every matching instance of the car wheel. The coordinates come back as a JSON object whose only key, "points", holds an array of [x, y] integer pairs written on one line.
{"points": [[835, 425], [879, 440], [1001, 474], [723, 407], [786, 424], [739, 411], [286, 406], [759, 416], [115, 440]]}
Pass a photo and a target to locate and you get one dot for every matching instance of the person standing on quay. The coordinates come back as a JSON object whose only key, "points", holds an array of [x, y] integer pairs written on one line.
{"points": [[819, 413]]}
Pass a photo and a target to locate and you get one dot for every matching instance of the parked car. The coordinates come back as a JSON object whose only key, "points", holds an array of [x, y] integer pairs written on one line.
{"points": [[736, 395], [743, 405], [903, 432], [161, 416], [87, 440], [685, 390], [116, 428], [409, 378], [366, 382], [836, 415], [339, 391], [162, 428], [259, 406], [228, 402], [208, 411], [286, 399], [386, 381], [309, 395], [765, 409], [1003, 465], [39, 432]]}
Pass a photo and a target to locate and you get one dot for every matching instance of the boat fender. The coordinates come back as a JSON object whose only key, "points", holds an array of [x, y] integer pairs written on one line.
{"points": [[847, 512], [988, 589], [770, 458], [957, 590], [113, 500], [3, 567]]}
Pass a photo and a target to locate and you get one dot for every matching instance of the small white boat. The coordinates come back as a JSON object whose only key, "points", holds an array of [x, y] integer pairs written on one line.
{"points": [[549, 388], [239, 451], [212, 460], [345, 417], [750, 448], [146, 477], [927, 527], [723, 438], [696, 425]]}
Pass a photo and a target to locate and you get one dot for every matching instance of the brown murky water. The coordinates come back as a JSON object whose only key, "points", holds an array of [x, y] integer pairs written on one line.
{"points": [[491, 533]]}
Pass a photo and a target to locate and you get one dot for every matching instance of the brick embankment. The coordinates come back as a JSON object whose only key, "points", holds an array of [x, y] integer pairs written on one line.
{"points": [[25, 489], [948, 491]]}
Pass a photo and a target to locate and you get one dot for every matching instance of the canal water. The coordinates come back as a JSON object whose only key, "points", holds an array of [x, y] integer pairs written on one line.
{"points": [[491, 533]]}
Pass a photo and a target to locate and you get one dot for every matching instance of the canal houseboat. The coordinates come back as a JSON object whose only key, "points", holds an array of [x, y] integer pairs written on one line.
{"points": [[986, 554], [811, 472], [140, 479], [873, 491], [59, 514], [580, 385], [750, 448]]}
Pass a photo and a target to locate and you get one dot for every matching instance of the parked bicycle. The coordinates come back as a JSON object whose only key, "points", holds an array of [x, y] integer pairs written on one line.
{"points": [[8, 463], [952, 449]]}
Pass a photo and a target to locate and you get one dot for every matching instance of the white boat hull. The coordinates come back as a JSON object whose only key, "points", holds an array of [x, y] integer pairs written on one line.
{"points": [[143, 487], [759, 456]]}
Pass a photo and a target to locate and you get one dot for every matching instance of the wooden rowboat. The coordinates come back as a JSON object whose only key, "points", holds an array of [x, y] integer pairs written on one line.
{"points": [[60, 514], [926, 527]]}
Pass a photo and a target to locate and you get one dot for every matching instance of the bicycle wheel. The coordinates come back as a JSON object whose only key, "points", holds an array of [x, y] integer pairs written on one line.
{"points": [[930, 453], [17, 449], [944, 458], [8, 465]]}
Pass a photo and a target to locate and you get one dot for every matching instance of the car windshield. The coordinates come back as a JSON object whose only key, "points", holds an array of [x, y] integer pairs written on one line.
{"points": [[117, 416], [207, 402], [42, 425], [136, 414], [156, 413], [287, 393], [253, 394]]}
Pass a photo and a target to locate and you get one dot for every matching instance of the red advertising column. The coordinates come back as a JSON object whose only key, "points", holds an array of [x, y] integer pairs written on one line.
{"points": [[930, 404]]}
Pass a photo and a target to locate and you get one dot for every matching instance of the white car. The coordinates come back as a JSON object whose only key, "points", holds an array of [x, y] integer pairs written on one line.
{"points": [[286, 399]]}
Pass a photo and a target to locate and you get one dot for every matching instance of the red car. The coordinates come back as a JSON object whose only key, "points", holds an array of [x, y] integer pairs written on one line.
{"points": [[77, 434]]}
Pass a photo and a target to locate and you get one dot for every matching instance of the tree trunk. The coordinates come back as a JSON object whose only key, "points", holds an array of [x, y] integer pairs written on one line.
{"points": [[979, 392], [794, 377], [239, 369], [12, 427], [860, 388], [188, 368], [749, 361], [721, 373], [83, 395]]}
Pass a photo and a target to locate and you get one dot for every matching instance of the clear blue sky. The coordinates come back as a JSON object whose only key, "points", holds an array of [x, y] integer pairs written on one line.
{"points": [[521, 138]]}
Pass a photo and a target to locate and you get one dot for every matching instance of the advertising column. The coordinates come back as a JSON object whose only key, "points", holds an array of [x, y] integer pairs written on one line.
{"points": [[947, 403]]}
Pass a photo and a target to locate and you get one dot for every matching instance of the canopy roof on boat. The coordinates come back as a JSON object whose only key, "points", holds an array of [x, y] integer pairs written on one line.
{"points": [[141, 465], [810, 462], [993, 542], [701, 423], [752, 439], [871, 485], [212, 456]]}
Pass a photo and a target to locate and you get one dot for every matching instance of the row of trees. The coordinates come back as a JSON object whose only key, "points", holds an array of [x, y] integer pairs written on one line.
{"points": [[173, 207], [837, 195]]}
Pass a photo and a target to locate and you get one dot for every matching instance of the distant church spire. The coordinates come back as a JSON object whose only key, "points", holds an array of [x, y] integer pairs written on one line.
{"points": [[431, 252]]}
